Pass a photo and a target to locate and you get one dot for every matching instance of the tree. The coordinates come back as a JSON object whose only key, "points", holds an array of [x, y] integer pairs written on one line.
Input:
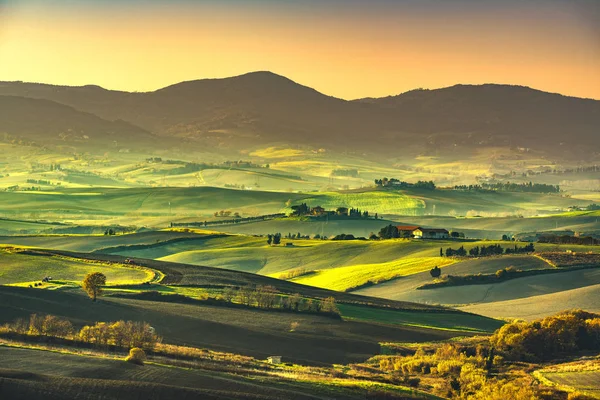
{"points": [[269, 239], [277, 239], [92, 284], [441, 252], [136, 356], [436, 272]]}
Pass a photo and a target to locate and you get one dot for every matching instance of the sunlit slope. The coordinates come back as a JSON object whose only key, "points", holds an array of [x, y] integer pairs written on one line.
{"points": [[348, 278], [255, 255], [587, 298], [25, 269], [520, 288]]}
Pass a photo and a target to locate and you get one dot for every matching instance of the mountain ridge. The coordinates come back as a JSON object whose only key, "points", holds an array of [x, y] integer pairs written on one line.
{"points": [[261, 108]]}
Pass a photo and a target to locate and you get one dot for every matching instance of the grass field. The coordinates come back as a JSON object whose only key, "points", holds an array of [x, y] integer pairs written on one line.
{"points": [[24, 269], [459, 322], [580, 376], [485, 296], [210, 375], [316, 339], [542, 305], [348, 278], [91, 243]]}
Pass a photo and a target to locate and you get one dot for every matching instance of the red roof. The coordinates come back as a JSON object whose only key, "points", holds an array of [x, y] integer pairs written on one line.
{"points": [[407, 227]]}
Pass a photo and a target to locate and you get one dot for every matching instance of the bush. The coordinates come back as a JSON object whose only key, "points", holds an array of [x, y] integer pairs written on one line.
{"points": [[136, 356], [578, 396]]}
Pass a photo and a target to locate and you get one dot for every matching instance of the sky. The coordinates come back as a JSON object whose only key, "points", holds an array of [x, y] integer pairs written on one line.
{"points": [[344, 48]]}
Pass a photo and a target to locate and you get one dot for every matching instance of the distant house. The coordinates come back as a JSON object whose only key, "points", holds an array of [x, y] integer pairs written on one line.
{"points": [[317, 211], [425, 233], [274, 360], [342, 211], [407, 231]]}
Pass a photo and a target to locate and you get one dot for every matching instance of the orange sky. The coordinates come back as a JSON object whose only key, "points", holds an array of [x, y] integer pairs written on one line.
{"points": [[346, 49]]}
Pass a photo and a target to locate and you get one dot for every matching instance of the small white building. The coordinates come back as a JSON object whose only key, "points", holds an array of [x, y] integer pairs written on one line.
{"points": [[424, 233], [274, 360]]}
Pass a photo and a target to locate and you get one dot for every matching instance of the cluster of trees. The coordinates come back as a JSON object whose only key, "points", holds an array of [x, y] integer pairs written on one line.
{"points": [[267, 297], [300, 210], [591, 207], [463, 370], [389, 232], [544, 339], [347, 236], [155, 160], [39, 182], [484, 251], [566, 239], [511, 187], [123, 334], [225, 213], [274, 239], [396, 183], [478, 369], [345, 172]]}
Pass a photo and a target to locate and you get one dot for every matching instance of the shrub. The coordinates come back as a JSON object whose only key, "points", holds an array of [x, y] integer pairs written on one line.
{"points": [[578, 396], [449, 367], [136, 356]]}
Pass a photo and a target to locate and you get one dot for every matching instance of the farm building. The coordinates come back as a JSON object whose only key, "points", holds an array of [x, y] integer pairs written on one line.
{"points": [[317, 211], [424, 233], [274, 360], [407, 231]]}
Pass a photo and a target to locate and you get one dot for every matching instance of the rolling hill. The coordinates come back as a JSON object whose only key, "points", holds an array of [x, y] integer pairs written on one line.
{"points": [[46, 123]]}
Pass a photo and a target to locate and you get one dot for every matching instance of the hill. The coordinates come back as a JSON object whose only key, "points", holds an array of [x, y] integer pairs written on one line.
{"points": [[496, 114], [265, 108], [542, 305], [244, 330], [46, 123]]}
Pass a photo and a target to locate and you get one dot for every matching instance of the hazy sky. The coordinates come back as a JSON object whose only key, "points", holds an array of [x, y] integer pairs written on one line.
{"points": [[344, 48]]}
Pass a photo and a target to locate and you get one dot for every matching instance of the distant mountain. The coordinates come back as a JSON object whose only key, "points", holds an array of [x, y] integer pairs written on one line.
{"points": [[49, 123], [264, 108], [515, 114]]}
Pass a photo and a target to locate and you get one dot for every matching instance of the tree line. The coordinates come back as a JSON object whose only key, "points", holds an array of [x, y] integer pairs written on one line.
{"points": [[484, 251], [228, 221], [122, 334], [267, 297], [566, 239], [396, 183], [511, 187]]}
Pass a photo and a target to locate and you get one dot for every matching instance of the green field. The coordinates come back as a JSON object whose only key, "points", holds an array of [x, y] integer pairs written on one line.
{"points": [[586, 297], [458, 322], [316, 340], [24, 269], [348, 278]]}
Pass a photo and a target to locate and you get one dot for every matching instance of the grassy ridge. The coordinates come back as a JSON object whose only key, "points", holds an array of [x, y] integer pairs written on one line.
{"points": [[356, 276]]}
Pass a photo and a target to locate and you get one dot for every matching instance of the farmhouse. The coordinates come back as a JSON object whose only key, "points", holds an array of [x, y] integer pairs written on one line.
{"points": [[407, 231], [424, 233], [317, 211]]}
